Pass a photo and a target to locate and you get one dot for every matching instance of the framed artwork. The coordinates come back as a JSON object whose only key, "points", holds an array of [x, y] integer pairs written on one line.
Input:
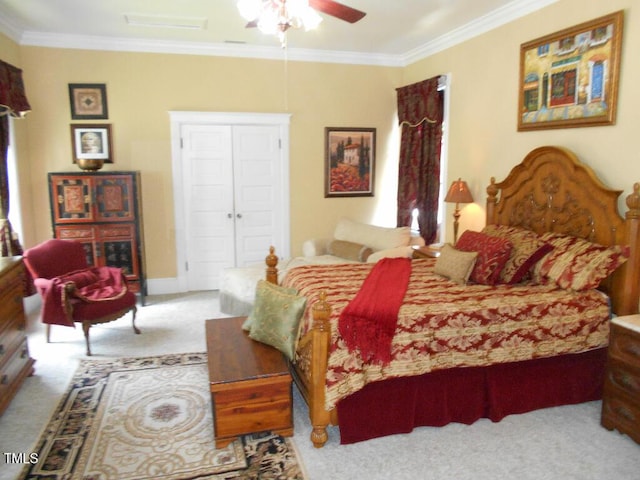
{"points": [[349, 162], [570, 78], [91, 142], [88, 101]]}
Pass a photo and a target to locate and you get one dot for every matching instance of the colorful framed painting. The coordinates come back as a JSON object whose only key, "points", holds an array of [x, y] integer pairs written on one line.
{"points": [[91, 142], [88, 101], [570, 78], [349, 162]]}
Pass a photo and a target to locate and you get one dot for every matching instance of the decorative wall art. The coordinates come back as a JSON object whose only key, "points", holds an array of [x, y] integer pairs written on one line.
{"points": [[349, 162], [570, 78], [91, 142], [88, 101]]}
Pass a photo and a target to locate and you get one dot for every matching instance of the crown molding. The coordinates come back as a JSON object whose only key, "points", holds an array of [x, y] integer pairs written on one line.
{"points": [[499, 17], [88, 42], [508, 13]]}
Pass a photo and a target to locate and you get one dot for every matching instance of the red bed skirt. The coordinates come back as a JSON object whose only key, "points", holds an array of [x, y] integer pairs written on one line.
{"points": [[465, 395]]}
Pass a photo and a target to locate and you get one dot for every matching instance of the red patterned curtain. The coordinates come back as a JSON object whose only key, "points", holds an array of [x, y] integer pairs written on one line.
{"points": [[420, 112], [13, 101]]}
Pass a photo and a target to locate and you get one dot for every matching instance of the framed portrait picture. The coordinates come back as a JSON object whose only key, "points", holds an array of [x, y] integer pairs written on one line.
{"points": [[349, 162], [91, 142], [88, 101], [570, 78]]}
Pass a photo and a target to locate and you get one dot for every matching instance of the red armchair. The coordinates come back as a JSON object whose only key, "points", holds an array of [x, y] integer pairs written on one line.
{"points": [[72, 292]]}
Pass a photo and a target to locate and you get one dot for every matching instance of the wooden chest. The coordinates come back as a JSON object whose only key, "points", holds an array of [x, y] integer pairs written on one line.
{"points": [[249, 381], [621, 396]]}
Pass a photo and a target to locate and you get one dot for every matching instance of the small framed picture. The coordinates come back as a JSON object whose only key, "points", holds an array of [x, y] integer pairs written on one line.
{"points": [[88, 101], [349, 162], [91, 142]]}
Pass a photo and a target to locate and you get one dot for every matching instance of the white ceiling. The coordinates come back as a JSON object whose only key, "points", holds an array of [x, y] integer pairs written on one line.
{"points": [[394, 32]]}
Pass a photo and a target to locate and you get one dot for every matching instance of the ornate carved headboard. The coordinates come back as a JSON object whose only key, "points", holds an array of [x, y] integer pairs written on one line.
{"points": [[552, 191]]}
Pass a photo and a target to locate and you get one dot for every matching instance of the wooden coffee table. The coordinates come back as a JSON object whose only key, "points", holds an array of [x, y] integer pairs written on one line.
{"points": [[249, 381]]}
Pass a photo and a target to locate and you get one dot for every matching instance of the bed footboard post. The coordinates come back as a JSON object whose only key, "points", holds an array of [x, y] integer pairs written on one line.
{"points": [[319, 416], [272, 269]]}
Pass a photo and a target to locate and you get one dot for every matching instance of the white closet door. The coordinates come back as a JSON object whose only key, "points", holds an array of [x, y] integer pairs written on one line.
{"points": [[207, 172], [258, 198], [233, 198]]}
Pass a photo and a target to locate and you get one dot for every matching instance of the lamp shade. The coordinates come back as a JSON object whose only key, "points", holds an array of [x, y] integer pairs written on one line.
{"points": [[459, 193]]}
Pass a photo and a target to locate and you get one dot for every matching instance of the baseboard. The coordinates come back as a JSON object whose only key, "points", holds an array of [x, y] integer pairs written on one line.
{"points": [[163, 286]]}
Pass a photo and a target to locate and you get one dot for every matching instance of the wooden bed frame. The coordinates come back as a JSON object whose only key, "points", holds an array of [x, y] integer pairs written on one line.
{"points": [[550, 191]]}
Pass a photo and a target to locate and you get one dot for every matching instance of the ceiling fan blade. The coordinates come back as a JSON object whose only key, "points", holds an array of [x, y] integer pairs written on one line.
{"points": [[337, 10]]}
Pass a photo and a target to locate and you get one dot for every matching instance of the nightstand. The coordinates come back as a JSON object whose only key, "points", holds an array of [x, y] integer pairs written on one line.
{"points": [[428, 251], [621, 395]]}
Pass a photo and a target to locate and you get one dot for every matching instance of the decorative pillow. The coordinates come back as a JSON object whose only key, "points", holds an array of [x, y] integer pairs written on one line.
{"points": [[349, 250], [579, 264], [493, 253], [264, 285], [527, 249], [454, 264], [378, 238], [275, 317]]}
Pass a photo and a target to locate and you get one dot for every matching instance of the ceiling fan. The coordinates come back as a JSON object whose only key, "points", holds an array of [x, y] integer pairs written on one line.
{"points": [[337, 10], [277, 16]]}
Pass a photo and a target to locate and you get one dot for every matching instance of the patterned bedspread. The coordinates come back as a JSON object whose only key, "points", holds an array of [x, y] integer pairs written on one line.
{"points": [[443, 325]]}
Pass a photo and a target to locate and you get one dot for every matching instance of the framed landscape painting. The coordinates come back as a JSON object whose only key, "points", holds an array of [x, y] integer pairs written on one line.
{"points": [[570, 78], [349, 162]]}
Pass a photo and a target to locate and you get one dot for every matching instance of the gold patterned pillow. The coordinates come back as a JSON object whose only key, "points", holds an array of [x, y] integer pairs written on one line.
{"points": [[528, 248], [275, 317], [454, 264], [579, 264]]}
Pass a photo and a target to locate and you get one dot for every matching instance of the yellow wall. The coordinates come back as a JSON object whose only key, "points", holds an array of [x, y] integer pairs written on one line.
{"points": [[483, 136], [483, 140], [142, 88]]}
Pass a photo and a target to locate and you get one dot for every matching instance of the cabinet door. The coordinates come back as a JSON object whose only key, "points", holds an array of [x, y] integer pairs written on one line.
{"points": [[71, 199], [118, 248], [86, 235], [114, 198]]}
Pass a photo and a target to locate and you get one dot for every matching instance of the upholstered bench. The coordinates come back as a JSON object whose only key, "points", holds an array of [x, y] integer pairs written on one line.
{"points": [[249, 381], [352, 242]]}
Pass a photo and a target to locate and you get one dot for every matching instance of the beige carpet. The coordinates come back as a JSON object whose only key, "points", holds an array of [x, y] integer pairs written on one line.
{"points": [[150, 417], [563, 443]]}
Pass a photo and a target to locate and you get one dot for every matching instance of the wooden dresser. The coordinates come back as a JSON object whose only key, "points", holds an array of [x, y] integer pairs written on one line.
{"points": [[103, 211], [621, 396], [15, 362]]}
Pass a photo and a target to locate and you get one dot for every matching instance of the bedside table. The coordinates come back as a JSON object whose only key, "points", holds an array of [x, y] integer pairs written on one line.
{"points": [[428, 251], [621, 394]]}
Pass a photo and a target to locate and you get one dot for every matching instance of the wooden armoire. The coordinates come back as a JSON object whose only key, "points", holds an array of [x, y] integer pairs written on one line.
{"points": [[103, 211]]}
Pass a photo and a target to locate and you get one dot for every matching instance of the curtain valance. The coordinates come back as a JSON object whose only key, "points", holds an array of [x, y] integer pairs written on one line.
{"points": [[13, 98], [419, 103]]}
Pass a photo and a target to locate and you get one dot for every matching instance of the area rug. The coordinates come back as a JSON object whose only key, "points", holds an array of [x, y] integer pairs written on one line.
{"points": [[150, 418]]}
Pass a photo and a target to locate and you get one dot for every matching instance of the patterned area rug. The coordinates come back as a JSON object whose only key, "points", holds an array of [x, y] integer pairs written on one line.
{"points": [[150, 418]]}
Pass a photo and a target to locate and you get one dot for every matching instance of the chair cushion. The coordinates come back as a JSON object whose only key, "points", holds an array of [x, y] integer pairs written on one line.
{"points": [[102, 310]]}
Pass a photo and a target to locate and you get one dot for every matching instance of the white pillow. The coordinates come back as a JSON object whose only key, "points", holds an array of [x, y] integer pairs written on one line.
{"points": [[378, 238], [405, 252]]}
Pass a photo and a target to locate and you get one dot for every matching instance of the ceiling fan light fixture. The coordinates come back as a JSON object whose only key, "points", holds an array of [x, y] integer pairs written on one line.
{"points": [[277, 16]]}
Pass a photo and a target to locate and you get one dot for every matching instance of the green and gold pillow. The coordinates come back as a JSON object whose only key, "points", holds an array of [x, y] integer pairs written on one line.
{"points": [[275, 317]]}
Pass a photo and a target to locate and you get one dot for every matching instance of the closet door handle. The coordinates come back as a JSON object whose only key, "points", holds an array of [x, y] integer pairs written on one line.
{"points": [[229, 215], [239, 215]]}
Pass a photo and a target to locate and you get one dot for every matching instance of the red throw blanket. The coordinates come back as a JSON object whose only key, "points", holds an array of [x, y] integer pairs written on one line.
{"points": [[97, 284], [368, 322]]}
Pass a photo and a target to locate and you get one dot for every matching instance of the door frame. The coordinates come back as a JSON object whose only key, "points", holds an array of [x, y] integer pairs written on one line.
{"points": [[180, 118]]}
